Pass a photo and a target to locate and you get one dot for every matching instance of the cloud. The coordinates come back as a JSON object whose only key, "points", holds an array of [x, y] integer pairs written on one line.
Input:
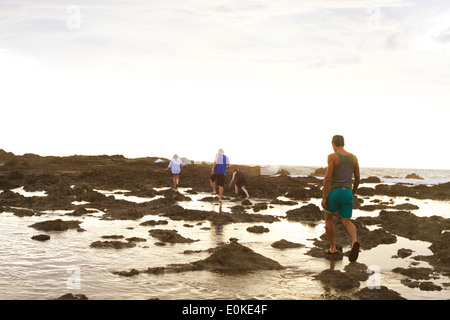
{"points": [[444, 36], [339, 62]]}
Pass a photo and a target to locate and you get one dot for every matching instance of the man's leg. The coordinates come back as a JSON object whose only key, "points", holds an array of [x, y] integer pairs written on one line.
{"points": [[245, 191], [351, 229], [329, 231], [213, 186], [345, 212], [174, 176], [220, 193]]}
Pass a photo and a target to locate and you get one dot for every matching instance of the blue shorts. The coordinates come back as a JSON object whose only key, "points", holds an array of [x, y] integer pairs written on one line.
{"points": [[340, 201]]}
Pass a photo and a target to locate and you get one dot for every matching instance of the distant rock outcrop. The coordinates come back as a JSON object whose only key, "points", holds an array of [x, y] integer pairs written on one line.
{"points": [[319, 172], [5, 156], [414, 176], [371, 180], [283, 172]]}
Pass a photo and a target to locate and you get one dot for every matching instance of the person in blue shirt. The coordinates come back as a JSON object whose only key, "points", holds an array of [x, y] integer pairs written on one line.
{"points": [[219, 168]]}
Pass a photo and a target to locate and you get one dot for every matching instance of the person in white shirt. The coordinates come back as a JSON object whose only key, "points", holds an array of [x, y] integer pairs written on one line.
{"points": [[175, 164]]}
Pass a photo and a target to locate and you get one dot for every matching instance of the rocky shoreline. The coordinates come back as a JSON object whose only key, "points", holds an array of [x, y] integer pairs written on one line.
{"points": [[73, 184]]}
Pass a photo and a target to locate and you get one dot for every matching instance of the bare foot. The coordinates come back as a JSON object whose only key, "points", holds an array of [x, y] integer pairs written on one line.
{"points": [[329, 251]]}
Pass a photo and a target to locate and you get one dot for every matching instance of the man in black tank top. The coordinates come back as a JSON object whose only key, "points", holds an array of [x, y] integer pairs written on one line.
{"points": [[338, 193], [241, 182]]}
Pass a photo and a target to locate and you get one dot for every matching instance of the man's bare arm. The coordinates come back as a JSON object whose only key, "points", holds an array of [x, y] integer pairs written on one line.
{"points": [[232, 179], [214, 163], [327, 179], [357, 176]]}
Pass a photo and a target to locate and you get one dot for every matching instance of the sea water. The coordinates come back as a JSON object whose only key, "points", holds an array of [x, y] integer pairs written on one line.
{"points": [[386, 175], [66, 263]]}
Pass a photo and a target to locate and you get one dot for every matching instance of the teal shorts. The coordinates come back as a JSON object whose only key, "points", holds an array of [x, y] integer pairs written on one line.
{"points": [[340, 201]]}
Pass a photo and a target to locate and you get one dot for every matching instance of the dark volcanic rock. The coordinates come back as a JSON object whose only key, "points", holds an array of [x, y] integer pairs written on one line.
{"points": [[422, 285], [408, 225], [383, 293], [112, 244], [337, 280], [174, 195], [403, 253], [234, 257], [114, 236], [131, 214], [153, 223], [437, 192], [209, 199], [319, 172], [415, 273], [310, 212], [257, 229], [413, 176], [371, 180], [284, 244], [320, 253], [259, 206], [364, 191], [19, 212], [157, 270], [58, 175], [131, 273], [179, 213], [282, 202], [238, 209], [379, 206], [357, 271], [441, 252], [227, 258], [78, 212], [41, 237], [367, 239], [170, 236], [283, 172], [136, 239], [71, 296], [56, 225]]}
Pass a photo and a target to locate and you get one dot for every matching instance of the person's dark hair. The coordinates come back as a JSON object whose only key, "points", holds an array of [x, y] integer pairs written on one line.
{"points": [[338, 141]]}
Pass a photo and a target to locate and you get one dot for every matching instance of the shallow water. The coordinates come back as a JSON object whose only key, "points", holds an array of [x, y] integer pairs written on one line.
{"points": [[429, 176], [45, 270]]}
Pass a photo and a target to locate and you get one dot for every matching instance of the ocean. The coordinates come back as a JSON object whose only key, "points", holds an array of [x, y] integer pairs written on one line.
{"points": [[386, 175], [34, 270]]}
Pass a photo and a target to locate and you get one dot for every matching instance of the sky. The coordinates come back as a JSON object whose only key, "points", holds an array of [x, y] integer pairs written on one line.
{"points": [[269, 81]]}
